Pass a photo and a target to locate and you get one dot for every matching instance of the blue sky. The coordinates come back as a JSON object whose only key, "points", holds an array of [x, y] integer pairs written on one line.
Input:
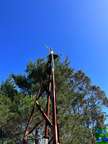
{"points": [[74, 28]]}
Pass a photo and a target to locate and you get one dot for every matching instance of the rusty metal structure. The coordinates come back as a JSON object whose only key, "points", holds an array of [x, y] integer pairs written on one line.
{"points": [[50, 116]]}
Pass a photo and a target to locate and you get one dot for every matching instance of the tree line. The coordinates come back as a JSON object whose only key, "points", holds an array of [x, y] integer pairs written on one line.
{"points": [[79, 104]]}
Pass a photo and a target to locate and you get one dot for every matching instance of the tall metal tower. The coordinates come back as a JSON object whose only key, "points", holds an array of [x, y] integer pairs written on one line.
{"points": [[50, 116], [52, 98]]}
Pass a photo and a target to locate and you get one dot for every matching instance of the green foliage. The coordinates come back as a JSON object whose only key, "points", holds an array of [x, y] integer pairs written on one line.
{"points": [[79, 103]]}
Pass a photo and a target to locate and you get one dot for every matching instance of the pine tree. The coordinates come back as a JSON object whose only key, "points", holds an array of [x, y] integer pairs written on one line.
{"points": [[79, 103]]}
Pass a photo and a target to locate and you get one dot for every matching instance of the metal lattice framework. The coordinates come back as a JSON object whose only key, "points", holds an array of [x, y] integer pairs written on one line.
{"points": [[51, 125]]}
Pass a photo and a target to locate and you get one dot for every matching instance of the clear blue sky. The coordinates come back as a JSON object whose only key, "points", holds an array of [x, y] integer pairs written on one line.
{"points": [[74, 28]]}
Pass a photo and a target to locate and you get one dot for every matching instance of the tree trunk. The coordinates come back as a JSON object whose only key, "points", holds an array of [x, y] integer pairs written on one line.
{"points": [[25, 140]]}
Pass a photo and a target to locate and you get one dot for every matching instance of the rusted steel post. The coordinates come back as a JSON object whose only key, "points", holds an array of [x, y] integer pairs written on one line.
{"points": [[58, 134], [55, 131], [48, 114], [44, 114]]}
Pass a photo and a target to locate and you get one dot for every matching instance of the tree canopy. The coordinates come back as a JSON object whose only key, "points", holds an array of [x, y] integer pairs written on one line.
{"points": [[79, 103]]}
